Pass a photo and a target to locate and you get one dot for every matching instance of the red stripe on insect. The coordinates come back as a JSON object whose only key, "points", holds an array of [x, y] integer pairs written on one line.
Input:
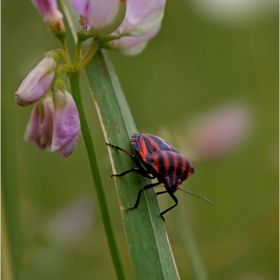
{"points": [[183, 168], [152, 141], [166, 163], [143, 148], [155, 165], [175, 162]]}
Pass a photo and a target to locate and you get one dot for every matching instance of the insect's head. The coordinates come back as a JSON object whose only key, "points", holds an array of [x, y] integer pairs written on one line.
{"points": [[172, 182]]}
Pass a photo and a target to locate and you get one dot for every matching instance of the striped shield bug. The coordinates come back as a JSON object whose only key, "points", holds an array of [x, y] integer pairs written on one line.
{"points": [[157, 159]]}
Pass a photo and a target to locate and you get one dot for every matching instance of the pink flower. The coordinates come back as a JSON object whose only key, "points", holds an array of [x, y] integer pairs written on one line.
{"points": [[142, 16], [132, 45], [66, 128], [52, 16], [142, 22], [40, 126], [100, 17], [218, 133], [38, 81], [54, 124]]}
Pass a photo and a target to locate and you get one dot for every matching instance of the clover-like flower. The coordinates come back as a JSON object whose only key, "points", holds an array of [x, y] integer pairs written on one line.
{"points": [[54, 123]]}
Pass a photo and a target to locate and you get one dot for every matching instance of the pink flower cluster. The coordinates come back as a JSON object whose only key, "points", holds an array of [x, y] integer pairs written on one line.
{"points": [[125, 25], [54, 123], [132, 22]]}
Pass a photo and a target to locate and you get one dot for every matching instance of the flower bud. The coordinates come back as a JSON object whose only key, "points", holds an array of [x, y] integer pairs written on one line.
{"points": [[40, 126], [52, 16], [38, 81], [100, 17], [132, 45], [66, 128], [142, 16]]}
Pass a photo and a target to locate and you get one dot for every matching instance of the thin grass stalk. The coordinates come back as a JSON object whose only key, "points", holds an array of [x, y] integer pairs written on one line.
{"points": [[74, 81], [10, 198]]}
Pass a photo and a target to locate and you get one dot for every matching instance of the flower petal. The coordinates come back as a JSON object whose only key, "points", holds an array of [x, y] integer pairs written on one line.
{"points": [[37, 83], [46, 126], [68, 149], [105, 16], [32, 132], [101, 17], [67, 130], [80, 6], [40, 126], [52, 16], [45, 6], [142, 16], [132, 45]]}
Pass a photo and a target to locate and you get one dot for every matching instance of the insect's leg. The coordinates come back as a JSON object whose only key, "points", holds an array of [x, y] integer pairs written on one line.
{"points": [[140, 192], [125, 172], [120, 149], [139, 168], [161, 192], [168, 209], [144, 173]]}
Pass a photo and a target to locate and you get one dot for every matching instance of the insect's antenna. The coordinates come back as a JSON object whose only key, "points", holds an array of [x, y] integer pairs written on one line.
{"points": [[205, 199]]}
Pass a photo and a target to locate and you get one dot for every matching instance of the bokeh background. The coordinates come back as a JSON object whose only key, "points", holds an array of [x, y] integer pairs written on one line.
{"points": [[211, 71]]}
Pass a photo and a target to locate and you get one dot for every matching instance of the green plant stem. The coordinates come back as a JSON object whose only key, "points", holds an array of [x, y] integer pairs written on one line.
{"points": [[65, 56], [64, 46], [78, 52], [90, 52], [74, 81]]}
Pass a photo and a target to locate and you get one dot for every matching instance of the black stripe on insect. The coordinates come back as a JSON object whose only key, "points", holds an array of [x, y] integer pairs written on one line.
{"points": [[158, 159]]}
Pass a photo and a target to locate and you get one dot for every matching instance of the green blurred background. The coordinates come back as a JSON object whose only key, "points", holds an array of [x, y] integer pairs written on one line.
{"points": [[206, 55]]}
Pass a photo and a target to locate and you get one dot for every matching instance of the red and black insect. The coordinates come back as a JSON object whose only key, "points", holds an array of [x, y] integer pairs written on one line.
{"points": [[158, 159]]}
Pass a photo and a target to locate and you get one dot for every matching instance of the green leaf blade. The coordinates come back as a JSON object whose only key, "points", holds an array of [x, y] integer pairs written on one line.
{"points": [[147, 240]]}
